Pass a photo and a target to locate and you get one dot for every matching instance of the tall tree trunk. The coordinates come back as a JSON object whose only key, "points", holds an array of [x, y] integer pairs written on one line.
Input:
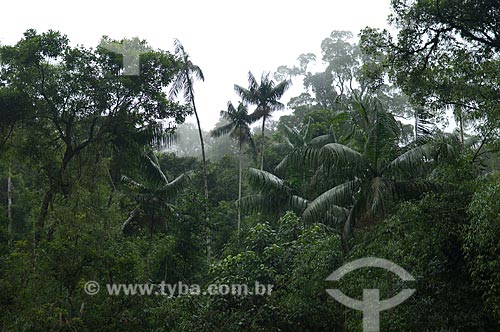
{"points": [[205, 177], [461, 123], [202, 143], [56, 185], [416, 125], [239, 192], [40, 221], [262, 144], [10, 190]]}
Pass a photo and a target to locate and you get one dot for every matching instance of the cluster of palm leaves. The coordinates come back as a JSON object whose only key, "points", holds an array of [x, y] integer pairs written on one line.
{"points": [[266, 97], [238, 128], [154, 194], [349, 177]]}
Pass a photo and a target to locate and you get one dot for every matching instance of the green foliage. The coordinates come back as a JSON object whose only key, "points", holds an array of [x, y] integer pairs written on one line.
{"points": [[424, 238], [223, 179], [84, 245], [154, 196], [266, 97], [445, 54], [295, 259], [79, 142], [481, 243]]}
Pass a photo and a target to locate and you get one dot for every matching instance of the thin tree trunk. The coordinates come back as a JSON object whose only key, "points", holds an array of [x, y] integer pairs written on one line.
{"points": [[40, 222], [416, 125], [239, 193], [55, 185], [262, 144], [10, 190], [205, 177], [461, 122]]}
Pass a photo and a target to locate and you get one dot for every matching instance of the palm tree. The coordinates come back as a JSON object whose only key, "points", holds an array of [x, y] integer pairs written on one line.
{"points": [[296, 142], [154, 194], [265, 96], [238, 128], [358, 177], [370, 178], [184, 82]]}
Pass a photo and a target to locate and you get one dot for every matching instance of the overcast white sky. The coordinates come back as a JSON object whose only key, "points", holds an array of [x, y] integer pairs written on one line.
{"points": [[225, 38]]}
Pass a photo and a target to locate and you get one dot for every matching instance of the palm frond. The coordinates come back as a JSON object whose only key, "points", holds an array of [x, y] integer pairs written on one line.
{"points": [[322, 140], [131, 183], [410, 161], [339, 154], [267, 182], [335, 197], [355, 213], [298, 204], [445, 145], [259, 203], [183, 81], [197, 72], [272, 204], [280, 89], [274, 105], [283, 164], [245, 95], [151, 168], [175, 186], [223, 130], [382, 136], [310, 157], [258, 114], [252, 82], [380, 191], [293, 137], [178, 48], [230, 108]]}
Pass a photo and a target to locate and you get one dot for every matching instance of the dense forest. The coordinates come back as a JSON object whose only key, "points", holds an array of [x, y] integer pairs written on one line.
{"points": [[391, 150]]}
